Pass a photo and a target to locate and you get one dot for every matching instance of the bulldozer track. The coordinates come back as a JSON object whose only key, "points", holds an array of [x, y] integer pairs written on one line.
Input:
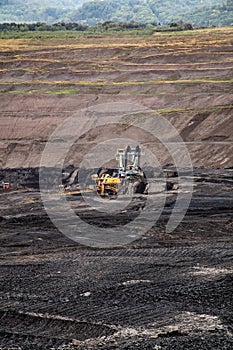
{"points": [[58, 294]]}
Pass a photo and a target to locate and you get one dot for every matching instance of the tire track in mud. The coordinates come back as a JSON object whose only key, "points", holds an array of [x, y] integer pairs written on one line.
{"points": [[158, 253], [59, 291], [145, 281], [91, 293], [47, 326]]}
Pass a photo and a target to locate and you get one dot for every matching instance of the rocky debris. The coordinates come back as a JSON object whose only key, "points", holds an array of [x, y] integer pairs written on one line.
{"points": [[21, 177], [29, 177]]}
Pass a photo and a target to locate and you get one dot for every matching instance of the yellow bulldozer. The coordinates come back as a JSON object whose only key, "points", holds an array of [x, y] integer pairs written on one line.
{"points": [[128, 177], [107, 185]]}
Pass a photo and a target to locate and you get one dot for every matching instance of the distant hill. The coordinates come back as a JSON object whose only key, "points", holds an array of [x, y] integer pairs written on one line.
{"points": [[37, 10], [219, 15], [207, 12], [91, 12]]}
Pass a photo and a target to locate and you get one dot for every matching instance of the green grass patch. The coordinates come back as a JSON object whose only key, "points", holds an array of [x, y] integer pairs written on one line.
{"points": [[100, 32], [62, 34], [199, 109], [67, 91], [22, 91], [40, 35]]}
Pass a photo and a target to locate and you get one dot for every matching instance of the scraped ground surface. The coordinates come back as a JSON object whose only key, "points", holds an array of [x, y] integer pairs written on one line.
{"points": [[184, 76], [165, 290], [162, 291]]}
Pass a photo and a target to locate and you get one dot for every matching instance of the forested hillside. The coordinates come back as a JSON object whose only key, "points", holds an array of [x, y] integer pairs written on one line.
{"points": [[218, 15], [213, 12], [91, 12], [37, 10]]}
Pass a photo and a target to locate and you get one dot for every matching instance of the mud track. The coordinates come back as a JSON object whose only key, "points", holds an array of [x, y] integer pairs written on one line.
{"points": [[163, 291]]}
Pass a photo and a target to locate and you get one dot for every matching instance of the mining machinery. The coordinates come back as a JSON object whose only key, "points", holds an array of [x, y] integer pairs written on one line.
{"points": [[128, 177]]}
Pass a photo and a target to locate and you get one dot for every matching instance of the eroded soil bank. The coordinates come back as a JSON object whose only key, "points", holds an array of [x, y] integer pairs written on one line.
{"points": [[185, 78]]}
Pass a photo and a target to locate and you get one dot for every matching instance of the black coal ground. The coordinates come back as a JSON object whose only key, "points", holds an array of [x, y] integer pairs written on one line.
{"points": [[162, 291]]}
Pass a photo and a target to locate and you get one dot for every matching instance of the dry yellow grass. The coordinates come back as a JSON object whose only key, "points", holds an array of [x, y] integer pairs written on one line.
{"points": [[97, 62], [198, 38]]}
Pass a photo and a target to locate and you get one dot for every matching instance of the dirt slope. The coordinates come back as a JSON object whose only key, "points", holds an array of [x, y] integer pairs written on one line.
{"points": [[186, 77]]}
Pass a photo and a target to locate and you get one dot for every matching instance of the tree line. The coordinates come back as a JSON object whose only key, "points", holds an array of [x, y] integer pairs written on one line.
{"points": [[40, 26], [106, 26]]}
